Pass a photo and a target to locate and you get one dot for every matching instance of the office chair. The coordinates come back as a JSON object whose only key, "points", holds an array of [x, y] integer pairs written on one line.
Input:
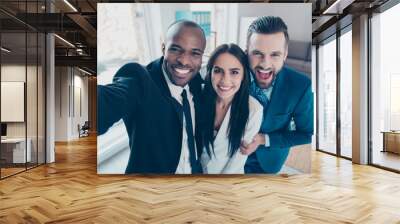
{"points": [[84, 130]]}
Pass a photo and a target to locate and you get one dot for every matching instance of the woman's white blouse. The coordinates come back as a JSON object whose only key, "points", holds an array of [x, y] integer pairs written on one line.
{"points": [[222, 163]]}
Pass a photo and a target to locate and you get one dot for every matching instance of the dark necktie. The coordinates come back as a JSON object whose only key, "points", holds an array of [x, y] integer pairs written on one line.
{"points": [[189, 131]]}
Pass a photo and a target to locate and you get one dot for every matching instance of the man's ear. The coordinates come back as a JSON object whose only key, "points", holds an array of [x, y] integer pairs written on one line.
{"points": [[163, 48], [286, 53]]}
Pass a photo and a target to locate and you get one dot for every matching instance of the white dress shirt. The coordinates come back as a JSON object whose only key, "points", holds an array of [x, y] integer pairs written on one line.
{"points": [[184, 166], [222, 162]]}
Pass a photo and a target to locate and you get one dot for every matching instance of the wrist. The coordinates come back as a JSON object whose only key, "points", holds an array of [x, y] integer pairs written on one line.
{"points": [[262, 139]]}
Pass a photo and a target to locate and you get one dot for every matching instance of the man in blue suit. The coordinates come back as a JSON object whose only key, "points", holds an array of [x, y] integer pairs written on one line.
{"points": [[284, 93]]}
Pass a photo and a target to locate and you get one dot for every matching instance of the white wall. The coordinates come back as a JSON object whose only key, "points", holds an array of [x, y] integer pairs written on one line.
{"points": [[16, 73], [80, 82], [33, 126], [297, 16], [61, 103], [168, 13], [13, 72], [12, 101], [68, 82]]}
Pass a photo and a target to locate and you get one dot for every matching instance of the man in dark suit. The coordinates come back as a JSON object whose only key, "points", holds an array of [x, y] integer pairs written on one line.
{"points": [[284, 93], [158, 105]]}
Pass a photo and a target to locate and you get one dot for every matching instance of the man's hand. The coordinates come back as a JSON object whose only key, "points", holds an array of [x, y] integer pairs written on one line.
{"points": [[249, 148]]}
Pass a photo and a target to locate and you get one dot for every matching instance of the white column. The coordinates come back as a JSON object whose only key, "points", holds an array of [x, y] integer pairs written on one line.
{"points": [[314, 90], [360, 90], [50, 99], [50, 92]]}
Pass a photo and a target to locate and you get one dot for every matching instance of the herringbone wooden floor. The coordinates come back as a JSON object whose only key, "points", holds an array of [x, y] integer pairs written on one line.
{"points": [[70, 191]]}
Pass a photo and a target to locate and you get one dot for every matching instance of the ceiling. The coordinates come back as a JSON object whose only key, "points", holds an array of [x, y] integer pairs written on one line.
{"points": [[329, 16], [76, 22]]}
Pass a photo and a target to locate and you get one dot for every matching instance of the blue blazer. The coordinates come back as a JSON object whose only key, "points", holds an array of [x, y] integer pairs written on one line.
{"points": [[291, 99]]}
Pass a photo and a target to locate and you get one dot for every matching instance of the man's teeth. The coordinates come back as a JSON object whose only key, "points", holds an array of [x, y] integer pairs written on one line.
{"points": [[265, 74], [264, 71], [182, 71]]}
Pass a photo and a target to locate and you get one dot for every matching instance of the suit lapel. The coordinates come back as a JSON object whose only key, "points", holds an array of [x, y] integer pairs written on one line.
{"points": [[155, 69], [157, 75]]}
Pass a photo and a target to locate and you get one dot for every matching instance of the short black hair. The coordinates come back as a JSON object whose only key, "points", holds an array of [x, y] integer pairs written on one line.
{"points": [[268, 25], [185, 23]]}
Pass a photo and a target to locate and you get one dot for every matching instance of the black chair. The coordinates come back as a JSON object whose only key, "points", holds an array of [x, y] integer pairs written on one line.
{"points": [[84, 130]]}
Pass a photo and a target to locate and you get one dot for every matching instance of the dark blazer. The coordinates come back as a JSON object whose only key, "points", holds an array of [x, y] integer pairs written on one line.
{"points": [[291, 99], [153, 118]]}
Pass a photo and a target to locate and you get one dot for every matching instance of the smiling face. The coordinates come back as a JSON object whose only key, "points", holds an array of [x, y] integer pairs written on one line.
{"points": [[226, 76], [183, 52], [267, 54]]}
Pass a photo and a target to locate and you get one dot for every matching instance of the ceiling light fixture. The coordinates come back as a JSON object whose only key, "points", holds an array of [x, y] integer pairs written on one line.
{"points": [[337, 7], [64, 40], [84, 71], [5, 49], [70, 5], [79, 51]]}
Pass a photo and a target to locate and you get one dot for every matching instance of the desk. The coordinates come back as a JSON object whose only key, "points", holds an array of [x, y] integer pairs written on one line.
{"points": [[391, 141], [13, 150]]}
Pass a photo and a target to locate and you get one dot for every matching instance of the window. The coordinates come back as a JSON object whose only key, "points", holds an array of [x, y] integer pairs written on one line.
{"points": [[385, 88], [23, 76], [346, 93], [327, 96]]}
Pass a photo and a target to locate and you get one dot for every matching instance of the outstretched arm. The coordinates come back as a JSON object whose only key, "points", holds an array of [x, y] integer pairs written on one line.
{"points": [[121, 97]]}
